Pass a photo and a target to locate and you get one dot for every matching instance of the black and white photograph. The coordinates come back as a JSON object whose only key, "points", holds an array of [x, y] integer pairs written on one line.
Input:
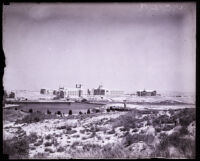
{"points": [[99, 80]]}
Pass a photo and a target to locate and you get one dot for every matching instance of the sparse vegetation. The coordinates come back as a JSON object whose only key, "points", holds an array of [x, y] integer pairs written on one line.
{"points": [[146, 133]]}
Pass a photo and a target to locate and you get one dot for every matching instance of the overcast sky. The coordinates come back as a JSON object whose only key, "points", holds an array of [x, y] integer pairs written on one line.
{"points": [[120, 45]]}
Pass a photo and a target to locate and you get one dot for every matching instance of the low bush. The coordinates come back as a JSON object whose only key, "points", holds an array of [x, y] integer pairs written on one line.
{"points": [[32, 137], [54, 142], [39, 142], [90, 147], [111, 131], [30, 110], [48, 144], [48, 112], [75, 144], [70, 132], [40, 156], [184, 130], [32, 148], [84, 138], [127, 121], [110, 151], [92, 135], [88, 111], [135, 130], [58, 113], [108, 110], [16, 148], [70, 112], [129, 139], [168, 127], [185, 146], [61, 127], [158, 129], [76, 136], [48, 136], [82, 131], [60, 149], [48, 150], [186, 116]]}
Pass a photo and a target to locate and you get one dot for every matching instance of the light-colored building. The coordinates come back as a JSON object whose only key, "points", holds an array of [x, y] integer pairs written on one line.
{"points": [[106, 92]]}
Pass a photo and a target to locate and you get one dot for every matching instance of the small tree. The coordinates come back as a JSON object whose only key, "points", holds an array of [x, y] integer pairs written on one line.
{"points": [[30, 110], [48, 112], [70, 112], [88, 111], [108, 110], [80, 113]]}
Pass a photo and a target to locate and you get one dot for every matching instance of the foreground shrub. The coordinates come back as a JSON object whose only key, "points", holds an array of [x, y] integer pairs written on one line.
{"points": [[108, 151], [185, 146], [16, 148]]}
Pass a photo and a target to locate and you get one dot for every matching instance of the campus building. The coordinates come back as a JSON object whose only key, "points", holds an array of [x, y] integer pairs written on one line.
{"points": [[146, 93]]}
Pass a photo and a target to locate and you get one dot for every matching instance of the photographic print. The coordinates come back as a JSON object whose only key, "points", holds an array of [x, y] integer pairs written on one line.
{"points": [[99, 80]]}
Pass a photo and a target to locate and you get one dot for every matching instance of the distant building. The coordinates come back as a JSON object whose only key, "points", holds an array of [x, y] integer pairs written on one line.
{"points": [[12, 95], [61, 92], [55, 92], [99, 91], [106, 92], [146, 93], [45, 91], [42, 91]]}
